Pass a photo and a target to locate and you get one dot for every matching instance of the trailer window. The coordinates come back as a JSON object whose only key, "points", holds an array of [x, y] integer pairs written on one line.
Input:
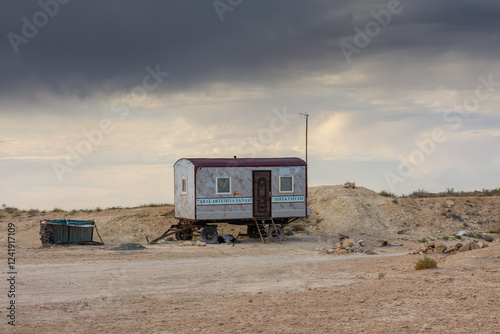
{"points": [[184, 185], [286, 184], [223, 185]]}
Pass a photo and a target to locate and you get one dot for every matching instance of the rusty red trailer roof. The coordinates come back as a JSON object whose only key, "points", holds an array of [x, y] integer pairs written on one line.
{"points": [[246, 162]]}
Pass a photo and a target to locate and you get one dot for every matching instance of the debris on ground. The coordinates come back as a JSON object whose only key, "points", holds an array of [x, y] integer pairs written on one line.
{"points": [[198, 243], [188, 243], [440, 248], [128, 246], [346, 246], [226, 239], [167, 240]]}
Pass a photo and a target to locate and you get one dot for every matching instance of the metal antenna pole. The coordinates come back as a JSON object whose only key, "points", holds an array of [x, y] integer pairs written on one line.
{"points": [[307, 125]]}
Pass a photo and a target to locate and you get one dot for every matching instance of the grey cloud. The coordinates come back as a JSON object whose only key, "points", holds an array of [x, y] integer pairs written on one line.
{"points": [[91, 47]]}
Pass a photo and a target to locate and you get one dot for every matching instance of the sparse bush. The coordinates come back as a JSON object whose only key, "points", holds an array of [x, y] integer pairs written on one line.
{"points": [[395, 201], [386, 194], [425, 263], [154, 205], [98, 209], [33, 212], [9, 209], [381, 275], [445, 238], [458, 237], [56, 209], [479, 236], [423, 240], [451, 192], [421, 193]]}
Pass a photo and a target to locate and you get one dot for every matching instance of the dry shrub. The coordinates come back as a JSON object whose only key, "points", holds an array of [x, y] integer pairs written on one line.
{"points": [[425, 263]]}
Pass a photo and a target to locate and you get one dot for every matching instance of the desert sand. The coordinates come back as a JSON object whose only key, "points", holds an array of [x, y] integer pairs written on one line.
{"points": [[264, 288]]}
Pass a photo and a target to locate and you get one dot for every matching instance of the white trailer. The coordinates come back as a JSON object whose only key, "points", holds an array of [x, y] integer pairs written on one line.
{"points": [[263, 193]]}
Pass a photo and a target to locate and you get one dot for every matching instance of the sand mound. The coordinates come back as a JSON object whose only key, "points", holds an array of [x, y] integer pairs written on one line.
{"points": [[353, 212], [362, 213]]}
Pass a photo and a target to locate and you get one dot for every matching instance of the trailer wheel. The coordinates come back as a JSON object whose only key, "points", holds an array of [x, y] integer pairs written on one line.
{"points": [[209, 235], [275, 234], [253, 232], [184, 235]]}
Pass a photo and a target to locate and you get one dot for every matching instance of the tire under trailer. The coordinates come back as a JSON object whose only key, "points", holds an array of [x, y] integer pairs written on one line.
{"points": [[209, 234]]}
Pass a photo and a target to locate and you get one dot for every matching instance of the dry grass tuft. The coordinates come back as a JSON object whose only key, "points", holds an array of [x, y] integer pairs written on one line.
{"points": [[425, 263]]}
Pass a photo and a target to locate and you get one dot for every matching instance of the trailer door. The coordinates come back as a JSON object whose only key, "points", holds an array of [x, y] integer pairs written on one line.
{"points": [[261, 193]]}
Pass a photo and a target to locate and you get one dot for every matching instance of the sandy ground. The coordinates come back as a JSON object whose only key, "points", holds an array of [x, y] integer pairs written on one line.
{"points": [[262, 288], [253, 288]]}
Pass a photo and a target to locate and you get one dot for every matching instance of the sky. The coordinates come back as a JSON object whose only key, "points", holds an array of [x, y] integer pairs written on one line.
{"points": [[98, 99]]}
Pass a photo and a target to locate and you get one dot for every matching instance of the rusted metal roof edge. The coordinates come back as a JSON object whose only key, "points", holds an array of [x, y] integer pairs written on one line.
{"points": [[246, 162]]}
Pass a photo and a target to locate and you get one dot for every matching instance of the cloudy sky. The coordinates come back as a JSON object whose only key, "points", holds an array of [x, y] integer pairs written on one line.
{"points": [[98, 99]]}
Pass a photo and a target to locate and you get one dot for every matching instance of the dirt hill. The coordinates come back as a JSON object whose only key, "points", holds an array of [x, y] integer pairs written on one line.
{"points": [[358, 212], [362, 212]]}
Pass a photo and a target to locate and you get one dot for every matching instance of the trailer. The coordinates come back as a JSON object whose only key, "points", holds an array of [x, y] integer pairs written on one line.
{"points": [[265, 194]]}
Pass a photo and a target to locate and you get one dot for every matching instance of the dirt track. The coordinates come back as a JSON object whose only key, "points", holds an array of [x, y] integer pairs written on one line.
{"points": [[251, 288]]}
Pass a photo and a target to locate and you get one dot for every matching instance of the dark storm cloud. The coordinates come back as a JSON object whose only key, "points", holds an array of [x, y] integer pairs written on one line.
{"points": [[105, 46]]}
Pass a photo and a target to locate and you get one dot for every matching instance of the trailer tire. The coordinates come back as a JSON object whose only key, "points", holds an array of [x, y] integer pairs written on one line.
{"points": [[253, 232], [184, 235], [209, 235], [273, 236]]}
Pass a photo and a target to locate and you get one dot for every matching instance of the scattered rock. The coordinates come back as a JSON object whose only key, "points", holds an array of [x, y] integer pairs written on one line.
{"points": [[469, 245], [431, 247], [439, 248], [200, 243], [451, 249], [488, 237], [349, 185], [346, 243]]}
